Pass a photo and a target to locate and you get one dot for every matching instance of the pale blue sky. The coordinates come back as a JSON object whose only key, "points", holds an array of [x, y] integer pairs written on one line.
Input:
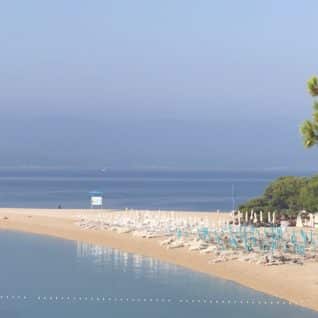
{"points": [[193, 84]]}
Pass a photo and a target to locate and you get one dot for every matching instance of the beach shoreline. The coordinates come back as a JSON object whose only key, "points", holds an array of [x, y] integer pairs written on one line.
{"points": [[294, 283]]}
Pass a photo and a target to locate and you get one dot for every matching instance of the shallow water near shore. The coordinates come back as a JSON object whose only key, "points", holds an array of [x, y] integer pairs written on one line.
{"points": [[47, 277]]}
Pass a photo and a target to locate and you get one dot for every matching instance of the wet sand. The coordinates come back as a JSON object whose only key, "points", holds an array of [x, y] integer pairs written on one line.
{"points": [[295, 283]]}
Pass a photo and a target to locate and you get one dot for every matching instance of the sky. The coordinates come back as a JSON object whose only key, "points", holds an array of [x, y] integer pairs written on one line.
{"points": [[156, 84]]}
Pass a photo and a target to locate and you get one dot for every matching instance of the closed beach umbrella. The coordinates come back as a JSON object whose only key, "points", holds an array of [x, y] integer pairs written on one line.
{"points": [[311, 220], [246, 217], [274, 218], [251, 217], [269, 217], [261, 216]]}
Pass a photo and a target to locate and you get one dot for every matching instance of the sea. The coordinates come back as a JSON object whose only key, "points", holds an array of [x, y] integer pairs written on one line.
{"points": [[195, 190], [43, 276]]}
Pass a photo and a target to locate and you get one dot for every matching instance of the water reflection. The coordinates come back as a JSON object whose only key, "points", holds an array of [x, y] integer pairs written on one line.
{"points": [[138, 265], [67, 269]]}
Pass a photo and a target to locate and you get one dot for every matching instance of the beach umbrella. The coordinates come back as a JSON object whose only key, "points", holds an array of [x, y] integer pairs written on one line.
{"points": [[269, 217], [274, 217], [261, 216], [251, 217], [255, 218], [246, 217]]}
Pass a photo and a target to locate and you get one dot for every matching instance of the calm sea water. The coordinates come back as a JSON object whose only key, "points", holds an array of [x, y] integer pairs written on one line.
{"points": [[44, 269], [175, 190]]}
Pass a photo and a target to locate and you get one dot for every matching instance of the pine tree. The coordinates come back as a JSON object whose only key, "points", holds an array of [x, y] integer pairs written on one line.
{"points": [[309, 128]]}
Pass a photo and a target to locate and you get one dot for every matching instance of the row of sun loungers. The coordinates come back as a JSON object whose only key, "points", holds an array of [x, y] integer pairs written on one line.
{"points": [[222, 241]]}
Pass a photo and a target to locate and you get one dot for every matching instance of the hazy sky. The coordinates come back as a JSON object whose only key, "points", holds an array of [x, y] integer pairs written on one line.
{"points": [[187, 84]]}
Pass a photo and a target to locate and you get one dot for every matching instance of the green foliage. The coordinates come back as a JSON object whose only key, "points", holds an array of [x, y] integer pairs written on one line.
{"points": [[309, 133], [309, 128], [257, 204], [284, 193], [312, 85], [287, 194], [309, 195]]}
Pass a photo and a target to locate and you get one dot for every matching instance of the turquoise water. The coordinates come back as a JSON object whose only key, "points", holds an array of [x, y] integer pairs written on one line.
{"points": [[172, 190], [48, 277]]}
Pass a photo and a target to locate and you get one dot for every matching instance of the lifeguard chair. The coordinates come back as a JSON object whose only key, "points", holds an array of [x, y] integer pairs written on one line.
{"points": [[96, 199]]}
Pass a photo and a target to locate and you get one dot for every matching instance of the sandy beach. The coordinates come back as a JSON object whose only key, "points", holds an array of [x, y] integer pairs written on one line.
{"points": [[296, 283]]}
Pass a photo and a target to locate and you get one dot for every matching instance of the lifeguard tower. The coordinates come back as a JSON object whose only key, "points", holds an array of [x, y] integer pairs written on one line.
{"points": [[96, 199]]}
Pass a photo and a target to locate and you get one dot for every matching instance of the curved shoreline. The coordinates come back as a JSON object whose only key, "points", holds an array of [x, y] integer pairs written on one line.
{"points": [[294, 283]]}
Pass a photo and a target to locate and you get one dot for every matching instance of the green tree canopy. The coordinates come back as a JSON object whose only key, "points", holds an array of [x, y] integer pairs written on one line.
{"points": [[309, 195], [284, 193], [257, 204], [287, 194]]}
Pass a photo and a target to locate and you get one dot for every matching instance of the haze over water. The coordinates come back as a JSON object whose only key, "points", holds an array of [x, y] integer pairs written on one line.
{"points": [[138, 189], [182, 84]]}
